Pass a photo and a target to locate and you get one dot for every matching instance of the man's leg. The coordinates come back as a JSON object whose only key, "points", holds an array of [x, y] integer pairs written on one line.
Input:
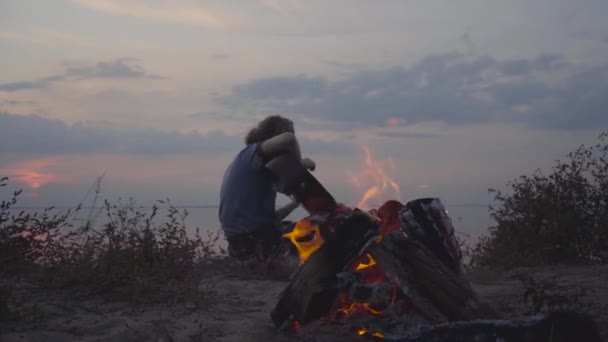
{"points": [[242, 246], [272, 251], [273, 244]]}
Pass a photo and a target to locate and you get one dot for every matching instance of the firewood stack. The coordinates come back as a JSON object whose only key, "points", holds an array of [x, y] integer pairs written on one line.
{"points": [[396, 274]]}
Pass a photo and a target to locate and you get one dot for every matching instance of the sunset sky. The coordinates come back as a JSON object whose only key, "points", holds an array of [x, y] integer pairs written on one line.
{"points": [[156, 95]]}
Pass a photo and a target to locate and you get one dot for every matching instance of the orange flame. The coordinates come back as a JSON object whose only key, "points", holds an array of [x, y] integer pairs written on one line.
{"points": [[363, 265], [375, 174], [356, 306], [363, 331], [306, 237]]}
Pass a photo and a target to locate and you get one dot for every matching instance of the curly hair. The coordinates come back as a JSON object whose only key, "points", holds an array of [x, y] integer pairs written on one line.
{"points": [[268, 128]]}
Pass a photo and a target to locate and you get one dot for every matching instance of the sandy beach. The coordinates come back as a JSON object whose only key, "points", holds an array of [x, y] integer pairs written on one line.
{"points": [[237, 310]]}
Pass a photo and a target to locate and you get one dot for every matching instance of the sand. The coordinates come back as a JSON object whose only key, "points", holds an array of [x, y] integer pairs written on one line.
{"points": [[238, 311]]}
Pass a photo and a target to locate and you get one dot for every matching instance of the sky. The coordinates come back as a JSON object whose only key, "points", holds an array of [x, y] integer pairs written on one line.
{"points": [[451, 97]]}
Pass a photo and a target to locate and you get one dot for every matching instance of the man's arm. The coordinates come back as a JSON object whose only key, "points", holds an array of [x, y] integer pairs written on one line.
{"points": [[285, 143], [280, 144], [281, 213], [309, 164]]}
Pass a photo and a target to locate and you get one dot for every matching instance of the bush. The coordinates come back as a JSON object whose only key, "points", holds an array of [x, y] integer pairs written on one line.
{"points": [[130, 257], [550, 294], [549, 219]]}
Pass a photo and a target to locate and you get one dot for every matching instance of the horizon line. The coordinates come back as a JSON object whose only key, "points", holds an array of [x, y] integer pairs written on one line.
{"points": [[203, 206]]}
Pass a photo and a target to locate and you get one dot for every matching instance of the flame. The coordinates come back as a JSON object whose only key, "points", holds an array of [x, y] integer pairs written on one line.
{"points": [[363, 331], [363, 265], [375, 174], [357, 306], [369, 194], [306, 237]]}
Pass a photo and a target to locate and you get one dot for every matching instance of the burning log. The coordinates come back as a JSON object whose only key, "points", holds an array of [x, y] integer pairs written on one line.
{"points": [[434, 288], [427, 222], [312, 289], [379, 294]]}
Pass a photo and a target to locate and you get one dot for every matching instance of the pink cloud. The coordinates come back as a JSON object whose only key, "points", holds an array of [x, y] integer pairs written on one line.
{"points": [[32, 173], [173, 12], [83, 169], [392, 122]]}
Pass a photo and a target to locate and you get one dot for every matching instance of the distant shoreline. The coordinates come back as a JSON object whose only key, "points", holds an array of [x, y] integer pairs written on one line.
{"points": [[136, 206], [213, 206]]}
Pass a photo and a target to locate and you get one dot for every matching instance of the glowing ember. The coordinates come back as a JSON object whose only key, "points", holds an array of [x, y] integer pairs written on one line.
{"points": [[363, 331], [377, 334], [365, 264], [356, 306], [306, 237], [295, 326], [381, 183]]}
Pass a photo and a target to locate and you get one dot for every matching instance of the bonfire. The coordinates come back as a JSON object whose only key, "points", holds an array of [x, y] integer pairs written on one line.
{"points": [[394, 272]]}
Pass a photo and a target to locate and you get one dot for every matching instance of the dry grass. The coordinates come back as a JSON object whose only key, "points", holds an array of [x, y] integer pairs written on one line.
{"points": [[551, 293], [6, 293], [135, 256]]}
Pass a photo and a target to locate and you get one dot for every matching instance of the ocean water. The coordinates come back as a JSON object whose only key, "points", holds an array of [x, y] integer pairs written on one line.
{"points": [[469, 221]]}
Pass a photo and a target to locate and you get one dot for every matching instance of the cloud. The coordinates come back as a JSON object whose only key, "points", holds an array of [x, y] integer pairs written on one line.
{"points": [[121, 68], [220, 56], [518, 67], [282, 88], [33, 173], [16, 102], [468, 43], [346, 67], [449, 88], [164, 11], [589, 36], [407, 135], [23, 85], [394, 122], [274, 4], [37, 136], [49, 37], [582, 35]]}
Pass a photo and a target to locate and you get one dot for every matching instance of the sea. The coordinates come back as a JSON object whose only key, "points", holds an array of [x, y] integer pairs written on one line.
{"points": [[470, 221]]}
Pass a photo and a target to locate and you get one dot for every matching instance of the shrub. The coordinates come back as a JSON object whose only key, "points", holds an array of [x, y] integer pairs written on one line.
{"points": [[131, 257], [550, 294], [547, 219]]}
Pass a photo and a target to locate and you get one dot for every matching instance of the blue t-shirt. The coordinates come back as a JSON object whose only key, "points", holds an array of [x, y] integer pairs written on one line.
{"points": [[247, 196]]}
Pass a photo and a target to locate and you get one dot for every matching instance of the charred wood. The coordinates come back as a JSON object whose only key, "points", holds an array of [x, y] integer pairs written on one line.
{"points": [[378, 294], [427, 222], [434, 288], [312, 289]]}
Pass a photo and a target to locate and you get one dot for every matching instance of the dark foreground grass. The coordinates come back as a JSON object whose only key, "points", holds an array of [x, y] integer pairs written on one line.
{"points": [[135, 256]]}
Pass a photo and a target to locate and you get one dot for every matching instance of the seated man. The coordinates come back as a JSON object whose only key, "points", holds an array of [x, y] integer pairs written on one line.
{"points": [[247, 197]]}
